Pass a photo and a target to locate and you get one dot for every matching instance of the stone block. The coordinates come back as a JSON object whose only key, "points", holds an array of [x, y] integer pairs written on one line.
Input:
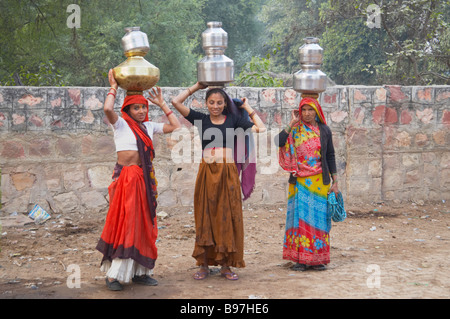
{"points": [[380, 96], [339, 116], [100, 176], [441, 137], [56, 98], [425, 116], [6, 97], [186, 196], [444, 179], [423, 95], [94, 201], [32, 98], [12, 150], [167, 198], [290, 99], [412, 178], [398, 94], [411, 160], [406, 117], [67, 147], [445, 119], [421, 140], [393, 179], [375, 168], [66, 203], [330, 99], [358, 116], [19, 121], [5, 120], [442, 94], [361, 94], [74, 97], [23, 180], [73, 178], [445, 160], [403, 139], [390, 116], [378, 114], [269, 98]]}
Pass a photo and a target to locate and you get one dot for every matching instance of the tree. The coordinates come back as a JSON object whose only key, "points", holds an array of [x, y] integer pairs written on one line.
{"points": [[288, 22], [414, 38], [35, 32]]}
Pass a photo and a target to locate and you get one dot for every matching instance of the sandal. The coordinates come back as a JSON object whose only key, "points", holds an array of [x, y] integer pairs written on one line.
{"points": [[228, 274], [299, 267], [202, 273], [319, 267]]}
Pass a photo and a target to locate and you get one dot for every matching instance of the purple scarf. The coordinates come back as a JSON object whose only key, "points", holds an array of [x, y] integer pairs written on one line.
{"points": [[246, 164]]}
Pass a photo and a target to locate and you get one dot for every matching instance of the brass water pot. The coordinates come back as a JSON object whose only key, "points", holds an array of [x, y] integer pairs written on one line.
{"points": [[136, 74]]}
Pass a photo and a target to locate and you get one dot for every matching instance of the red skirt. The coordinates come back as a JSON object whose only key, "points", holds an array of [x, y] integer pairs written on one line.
{"points": [[129, 231]]}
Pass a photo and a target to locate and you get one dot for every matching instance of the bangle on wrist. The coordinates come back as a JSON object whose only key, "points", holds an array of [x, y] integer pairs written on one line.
{"points": [[111, 88], [167, 114], [287, 128], [252, 114], [111, 94], [189, 91]]}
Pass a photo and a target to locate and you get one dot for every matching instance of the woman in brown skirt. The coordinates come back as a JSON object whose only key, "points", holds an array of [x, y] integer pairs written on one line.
{"points": [[217, 198]]}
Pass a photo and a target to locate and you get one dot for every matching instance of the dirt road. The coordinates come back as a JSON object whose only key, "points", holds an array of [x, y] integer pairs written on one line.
{"points": [[377, 252]]}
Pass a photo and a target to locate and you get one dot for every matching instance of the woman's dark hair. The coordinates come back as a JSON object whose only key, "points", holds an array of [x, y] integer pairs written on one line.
{"points": [[126, 109]]}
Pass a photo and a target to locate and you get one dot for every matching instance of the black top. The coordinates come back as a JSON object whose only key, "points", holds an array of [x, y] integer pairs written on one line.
{"points": [[328, 157], [218, 135]]}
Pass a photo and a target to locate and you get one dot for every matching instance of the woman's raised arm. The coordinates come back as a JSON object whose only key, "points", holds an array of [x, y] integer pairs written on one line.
{"points": [[108, 107], [178, 101]]}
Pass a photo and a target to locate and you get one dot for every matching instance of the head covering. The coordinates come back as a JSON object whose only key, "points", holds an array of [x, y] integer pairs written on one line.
{"points": [[245, 161], [315, 105], [301, 153], [135, 99]]}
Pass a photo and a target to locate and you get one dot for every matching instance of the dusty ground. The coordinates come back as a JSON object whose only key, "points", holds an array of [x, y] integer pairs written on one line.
{"points": [[405, 248]]}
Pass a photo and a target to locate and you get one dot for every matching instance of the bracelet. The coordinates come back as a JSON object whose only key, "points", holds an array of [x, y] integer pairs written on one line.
{"points": [[111, 94], [111, 88], [167, 114], [252, 114], [288, 128], [189, 90]]}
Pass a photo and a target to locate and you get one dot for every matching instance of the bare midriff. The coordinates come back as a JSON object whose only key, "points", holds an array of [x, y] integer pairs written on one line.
{"points": [[128, 158], [218, 155]]}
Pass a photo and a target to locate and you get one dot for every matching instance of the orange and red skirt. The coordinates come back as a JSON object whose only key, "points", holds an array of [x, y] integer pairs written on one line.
{"points": [[129, 232]]}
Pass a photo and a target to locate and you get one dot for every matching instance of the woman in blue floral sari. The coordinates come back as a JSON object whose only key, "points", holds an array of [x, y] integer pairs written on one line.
{"points": [[307, 152]]}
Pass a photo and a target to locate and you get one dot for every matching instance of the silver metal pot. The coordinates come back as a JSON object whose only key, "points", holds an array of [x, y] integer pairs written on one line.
{"points": [[215, 69], [310, 79], [134, 39]]}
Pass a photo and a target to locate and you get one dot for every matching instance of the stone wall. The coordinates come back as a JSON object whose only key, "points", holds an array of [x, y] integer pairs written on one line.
{"points": [[56, 148]]}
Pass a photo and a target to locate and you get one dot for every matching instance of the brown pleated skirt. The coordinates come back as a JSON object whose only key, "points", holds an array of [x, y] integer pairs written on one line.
{"points": [[218, 215]]}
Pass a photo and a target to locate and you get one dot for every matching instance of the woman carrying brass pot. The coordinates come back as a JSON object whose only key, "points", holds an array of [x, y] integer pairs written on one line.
{"points": [[217, 197], [129, 235]]}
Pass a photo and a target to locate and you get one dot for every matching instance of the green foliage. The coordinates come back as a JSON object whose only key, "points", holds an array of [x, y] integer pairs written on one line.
{"points": [[255, 74], [410, 47], [287, 23], [46, 75]]}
